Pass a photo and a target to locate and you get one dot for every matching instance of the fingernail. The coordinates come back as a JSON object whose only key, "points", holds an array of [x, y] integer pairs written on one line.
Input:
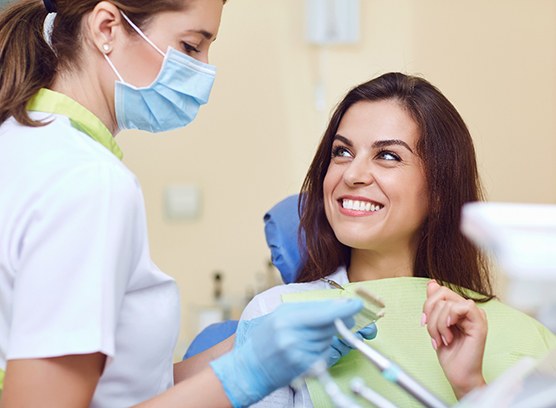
{"points": [[434, 345], [448, 321], [423, 319], [444, 341]]}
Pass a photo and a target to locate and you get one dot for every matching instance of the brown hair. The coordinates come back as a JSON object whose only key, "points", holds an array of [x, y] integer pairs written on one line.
{"points": [[448, 156], [27, 63]]}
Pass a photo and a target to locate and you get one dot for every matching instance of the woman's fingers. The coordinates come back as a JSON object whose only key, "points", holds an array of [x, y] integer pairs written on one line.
{"points": [[437, 293], [455, 318], [436, 329], [447, 315], [443, 323]]}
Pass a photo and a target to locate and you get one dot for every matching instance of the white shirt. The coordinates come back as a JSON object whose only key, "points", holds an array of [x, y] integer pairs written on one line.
{"points": [[76, 276], [265, 303]]}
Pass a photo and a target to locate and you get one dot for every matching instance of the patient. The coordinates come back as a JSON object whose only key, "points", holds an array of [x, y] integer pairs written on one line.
{"points": [[381, 208]]}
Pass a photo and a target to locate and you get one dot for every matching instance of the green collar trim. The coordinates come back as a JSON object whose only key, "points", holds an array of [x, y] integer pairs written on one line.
{"points": [[82, 119]]}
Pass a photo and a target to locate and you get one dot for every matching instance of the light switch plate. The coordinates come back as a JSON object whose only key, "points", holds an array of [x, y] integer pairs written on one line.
{"points": [[182, 201], [332, 21]]}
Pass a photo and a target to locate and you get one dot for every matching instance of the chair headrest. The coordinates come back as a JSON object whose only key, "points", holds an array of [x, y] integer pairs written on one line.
{"points": [[281, 233]]}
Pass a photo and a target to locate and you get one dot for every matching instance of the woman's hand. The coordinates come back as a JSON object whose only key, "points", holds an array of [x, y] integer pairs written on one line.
{"points": [[458, 330]]}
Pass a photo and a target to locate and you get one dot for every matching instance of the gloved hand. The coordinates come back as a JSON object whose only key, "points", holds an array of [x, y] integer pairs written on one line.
{"points": [[340, 347], [272, 350]]}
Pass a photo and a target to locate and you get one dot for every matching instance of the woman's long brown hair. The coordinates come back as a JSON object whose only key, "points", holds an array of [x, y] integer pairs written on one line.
{"points": [[446, 150]]}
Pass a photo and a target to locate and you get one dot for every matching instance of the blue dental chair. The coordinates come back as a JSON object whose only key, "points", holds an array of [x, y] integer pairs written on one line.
{"points": [[281, 224]]}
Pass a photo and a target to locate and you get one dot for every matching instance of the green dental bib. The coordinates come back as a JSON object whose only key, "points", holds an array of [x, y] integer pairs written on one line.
{"points": [[511, 336]]}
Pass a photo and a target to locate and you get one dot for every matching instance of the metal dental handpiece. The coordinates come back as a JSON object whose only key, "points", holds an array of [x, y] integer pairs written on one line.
{"points": [[389, 370], [358, 387], [338, 398]]}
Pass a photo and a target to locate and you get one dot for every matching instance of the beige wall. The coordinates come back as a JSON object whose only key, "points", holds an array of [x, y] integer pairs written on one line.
{"points": [[250, 147]]}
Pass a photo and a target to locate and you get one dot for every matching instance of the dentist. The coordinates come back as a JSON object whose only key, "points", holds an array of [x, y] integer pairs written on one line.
{"points": [[86, 318]]}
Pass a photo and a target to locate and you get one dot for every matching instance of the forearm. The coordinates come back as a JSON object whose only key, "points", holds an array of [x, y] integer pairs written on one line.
{"points": [[70, 381], [465, 387], [194, 365], [201, 390]]}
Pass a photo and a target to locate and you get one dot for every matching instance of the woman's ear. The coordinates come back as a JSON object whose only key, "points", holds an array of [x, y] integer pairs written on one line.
{"points": [[105, 27]]}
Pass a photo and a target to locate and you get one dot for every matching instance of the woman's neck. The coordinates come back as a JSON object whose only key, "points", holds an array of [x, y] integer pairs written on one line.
{"points": [[84, 87], [371, 265]]}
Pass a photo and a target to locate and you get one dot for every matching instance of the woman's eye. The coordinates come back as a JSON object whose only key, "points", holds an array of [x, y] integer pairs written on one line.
{"points": [[340, 151], [386, 155], [190, 49]]}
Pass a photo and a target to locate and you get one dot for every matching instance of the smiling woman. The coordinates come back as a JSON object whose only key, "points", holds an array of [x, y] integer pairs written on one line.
{"points": [[381, 209], [428, 181], [373, 166]]}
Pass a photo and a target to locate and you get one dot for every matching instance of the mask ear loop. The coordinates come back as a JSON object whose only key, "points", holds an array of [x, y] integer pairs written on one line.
{"points": [[106, 48], [113, 67], [138, 30]]}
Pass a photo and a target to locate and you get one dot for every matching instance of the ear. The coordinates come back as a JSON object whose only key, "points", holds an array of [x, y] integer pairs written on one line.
{"points": [[105, 26]]}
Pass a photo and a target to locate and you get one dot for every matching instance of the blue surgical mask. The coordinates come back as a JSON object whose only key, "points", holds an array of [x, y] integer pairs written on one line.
{"points": [[172, 100]]}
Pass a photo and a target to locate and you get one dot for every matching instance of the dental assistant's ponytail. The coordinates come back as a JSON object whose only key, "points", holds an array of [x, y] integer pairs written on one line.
{"points": [[27, 63]]}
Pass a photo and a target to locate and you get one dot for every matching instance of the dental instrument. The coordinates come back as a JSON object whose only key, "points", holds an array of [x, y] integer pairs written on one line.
{"points": [[338, 398], [390, 370], [358, 387]]}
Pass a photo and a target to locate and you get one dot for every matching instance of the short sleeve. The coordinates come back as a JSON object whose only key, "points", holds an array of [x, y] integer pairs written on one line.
{"points": [[263, 303], [76, 256]]}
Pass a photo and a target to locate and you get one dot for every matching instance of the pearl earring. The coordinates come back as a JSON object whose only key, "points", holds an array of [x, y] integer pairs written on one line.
{"points": [[106, 48]]}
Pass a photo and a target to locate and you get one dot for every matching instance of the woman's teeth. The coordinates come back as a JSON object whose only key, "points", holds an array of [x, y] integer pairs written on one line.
{"points": [[360, 205]]}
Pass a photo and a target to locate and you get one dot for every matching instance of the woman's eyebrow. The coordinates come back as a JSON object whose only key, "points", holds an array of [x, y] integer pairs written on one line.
{"points": [[377, 144], [389, 142], [209, 36], [343, 139]]}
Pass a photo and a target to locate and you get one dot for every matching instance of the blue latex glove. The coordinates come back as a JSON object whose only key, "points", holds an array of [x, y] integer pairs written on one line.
{"points": [[272, 350], [340, 348]]}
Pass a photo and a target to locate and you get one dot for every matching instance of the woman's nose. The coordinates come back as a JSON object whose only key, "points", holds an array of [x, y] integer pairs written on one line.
{"points": [[203, 57], [359, 172]]}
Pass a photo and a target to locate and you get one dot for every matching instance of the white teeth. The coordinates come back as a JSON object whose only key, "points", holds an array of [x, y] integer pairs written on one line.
{"points": [[360, 205]]}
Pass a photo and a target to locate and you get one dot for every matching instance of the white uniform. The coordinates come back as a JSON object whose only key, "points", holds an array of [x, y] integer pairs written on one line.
{"points": [[76, 276]]}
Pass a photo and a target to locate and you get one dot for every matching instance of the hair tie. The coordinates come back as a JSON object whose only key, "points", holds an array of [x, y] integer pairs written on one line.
{"points": [[47, 27], [50, 6]]}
